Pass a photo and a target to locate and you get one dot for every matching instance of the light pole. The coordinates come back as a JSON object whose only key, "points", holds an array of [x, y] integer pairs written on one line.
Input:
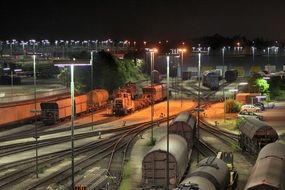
{"points": [[71, 65], [268, 48], [35, 114], [152, 51], [199, 108], [182, 50], [253, 48], [223, 71], [167, 93], [92, 78]]}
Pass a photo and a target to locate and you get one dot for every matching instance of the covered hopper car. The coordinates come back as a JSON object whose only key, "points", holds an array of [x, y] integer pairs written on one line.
{"points": [[255, 134], [154, 162]]}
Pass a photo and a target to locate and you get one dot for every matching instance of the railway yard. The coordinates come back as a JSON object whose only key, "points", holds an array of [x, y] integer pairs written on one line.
{"points": [[113, 147]]}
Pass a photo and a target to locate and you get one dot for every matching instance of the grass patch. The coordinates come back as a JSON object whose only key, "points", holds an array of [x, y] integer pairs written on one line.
{"points": [[151, 142], [126, 180]]}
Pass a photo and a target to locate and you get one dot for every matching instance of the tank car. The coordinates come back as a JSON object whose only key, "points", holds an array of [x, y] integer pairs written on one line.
{"points": [[212, 174]]}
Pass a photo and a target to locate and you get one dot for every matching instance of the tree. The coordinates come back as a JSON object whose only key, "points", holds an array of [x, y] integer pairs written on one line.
{"points": [[232, 106], [262, 85], [108, 73], [252, 85]]}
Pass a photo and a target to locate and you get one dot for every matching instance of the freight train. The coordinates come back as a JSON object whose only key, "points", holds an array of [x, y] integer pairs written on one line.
{"points": [[212, 173], [126, 102], [56, 110], [181, 139]]}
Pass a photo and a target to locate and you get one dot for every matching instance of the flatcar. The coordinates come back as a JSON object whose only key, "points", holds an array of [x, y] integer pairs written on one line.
{"points": [[231, 75], [212, 174], [268, 171], [184, 125], [154, 163], [255, 134], [211, 79], [53, 111]]}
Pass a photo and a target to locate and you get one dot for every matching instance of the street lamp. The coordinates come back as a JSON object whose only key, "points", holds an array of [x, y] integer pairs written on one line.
{"points": [[268, 48], [71, 65], [181, 50], [253, 49], [35, 114], [199, 108], [152, 52], [167, 133], [223, 71]]}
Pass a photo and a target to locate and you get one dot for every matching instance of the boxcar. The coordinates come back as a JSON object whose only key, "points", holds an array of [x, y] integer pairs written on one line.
{"points": [[268, 171], [255, 134], [211, 174], [154, 162], [184, 125], [53, 111], [156, 92]]}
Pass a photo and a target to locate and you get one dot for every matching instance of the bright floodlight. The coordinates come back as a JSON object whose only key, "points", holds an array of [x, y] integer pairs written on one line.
{"points": [[182, 50]]}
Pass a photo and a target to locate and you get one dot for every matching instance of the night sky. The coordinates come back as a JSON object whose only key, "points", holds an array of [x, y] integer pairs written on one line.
{"points": [[141, 19]]}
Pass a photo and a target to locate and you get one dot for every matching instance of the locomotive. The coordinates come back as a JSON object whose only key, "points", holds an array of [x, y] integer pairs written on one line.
{"points": [[125, 102]]}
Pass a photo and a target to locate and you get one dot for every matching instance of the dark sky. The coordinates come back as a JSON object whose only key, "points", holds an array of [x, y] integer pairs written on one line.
{"points": [[141, 19]]}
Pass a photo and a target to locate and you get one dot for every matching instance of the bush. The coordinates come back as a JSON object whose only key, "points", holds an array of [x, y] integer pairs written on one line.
{"points": [[232, 106]]}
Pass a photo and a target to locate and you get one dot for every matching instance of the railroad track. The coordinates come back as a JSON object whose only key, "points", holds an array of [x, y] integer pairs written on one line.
{"points": [[84, 163], [117, 142], [205, 149], [26, 146], [41, 131]]}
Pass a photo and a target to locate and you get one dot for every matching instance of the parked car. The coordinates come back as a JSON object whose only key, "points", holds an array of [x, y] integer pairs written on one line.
{"points": [[250, 108], [260, 105], [258, 116]]}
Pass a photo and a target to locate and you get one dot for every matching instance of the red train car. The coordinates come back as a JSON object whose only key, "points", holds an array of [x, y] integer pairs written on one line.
{"points": [[54, 111]]}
